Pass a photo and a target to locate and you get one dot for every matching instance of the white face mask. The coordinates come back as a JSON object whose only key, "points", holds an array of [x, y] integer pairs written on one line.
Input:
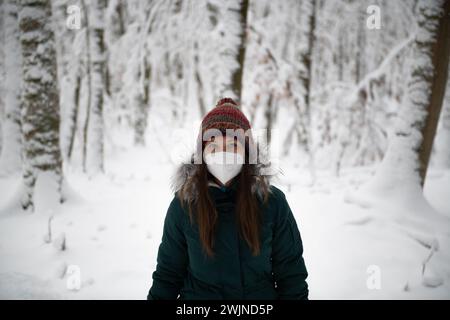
{"points": [[224, 165]]}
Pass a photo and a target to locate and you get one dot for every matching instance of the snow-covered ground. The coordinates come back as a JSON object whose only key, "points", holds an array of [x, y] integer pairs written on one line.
{"points": [[112, 226]]}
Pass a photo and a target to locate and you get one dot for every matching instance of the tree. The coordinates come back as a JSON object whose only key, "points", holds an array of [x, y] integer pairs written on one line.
{"points": [[40, 102], [69, 70], [94, 135], [429, 77], [142, 101], [442, 141], [306, 56], [237, 74], [142, 73], [10, 160], [404, 165]]}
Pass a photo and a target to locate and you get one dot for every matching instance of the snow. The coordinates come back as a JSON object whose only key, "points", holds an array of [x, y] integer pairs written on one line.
{"points": [[46, 193], [369, 231], [112, 227]]}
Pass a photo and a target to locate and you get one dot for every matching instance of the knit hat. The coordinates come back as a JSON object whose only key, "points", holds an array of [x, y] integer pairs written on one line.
{"points": [[226, 115]]}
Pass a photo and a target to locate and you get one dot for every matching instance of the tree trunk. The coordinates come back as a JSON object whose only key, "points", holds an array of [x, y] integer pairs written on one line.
{"points": [[361, 55], [199, 82], [74, 115], [269, 115], [10, 157], [87, 63], [432, 77], [442, 141], [40, 103], [236, 78], [309, 9], [142, 102], [95, 135]]}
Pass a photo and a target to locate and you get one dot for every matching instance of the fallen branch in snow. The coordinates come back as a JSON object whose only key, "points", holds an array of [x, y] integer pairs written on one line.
{"points": [[48, 236], [60, 242], [429, 279], [427, 259]]}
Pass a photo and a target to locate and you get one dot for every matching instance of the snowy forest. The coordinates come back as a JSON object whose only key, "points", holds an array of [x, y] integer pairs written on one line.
{"points": [[100, 100]]}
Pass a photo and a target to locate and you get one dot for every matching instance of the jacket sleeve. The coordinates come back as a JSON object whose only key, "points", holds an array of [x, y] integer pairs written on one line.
{"points": [[172, 258], [287, 255]]}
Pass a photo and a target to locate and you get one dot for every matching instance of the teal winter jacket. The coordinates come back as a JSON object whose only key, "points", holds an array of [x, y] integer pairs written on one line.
{"points": [[185, 272]]}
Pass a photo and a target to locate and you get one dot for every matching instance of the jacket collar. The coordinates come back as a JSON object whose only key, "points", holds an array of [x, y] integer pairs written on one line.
{"points": [[232, 186]]}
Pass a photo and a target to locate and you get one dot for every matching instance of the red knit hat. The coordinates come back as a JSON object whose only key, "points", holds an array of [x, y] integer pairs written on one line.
{"points": [[226, 115]]}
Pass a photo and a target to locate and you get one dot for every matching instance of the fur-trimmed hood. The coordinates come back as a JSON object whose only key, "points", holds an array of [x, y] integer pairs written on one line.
{"points": [[265, 172]]}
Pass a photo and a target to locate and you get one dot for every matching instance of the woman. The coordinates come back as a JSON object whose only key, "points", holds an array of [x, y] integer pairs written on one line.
{"points": [[228, 233]]}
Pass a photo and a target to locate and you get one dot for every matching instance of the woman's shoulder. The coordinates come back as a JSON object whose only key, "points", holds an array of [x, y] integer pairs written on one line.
{"points": [[276, 196], [176, 211], [276, 193], [279, 207], [276, 201]]}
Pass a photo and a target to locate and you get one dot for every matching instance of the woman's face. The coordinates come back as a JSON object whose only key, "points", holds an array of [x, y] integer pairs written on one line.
{"points": [[224, 144]]}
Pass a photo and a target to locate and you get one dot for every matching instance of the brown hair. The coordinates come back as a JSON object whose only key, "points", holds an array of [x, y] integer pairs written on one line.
{"points": [[248, 207]]}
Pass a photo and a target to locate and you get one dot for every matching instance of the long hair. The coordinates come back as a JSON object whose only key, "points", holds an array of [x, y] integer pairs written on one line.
{"points": [[248, 207]]}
